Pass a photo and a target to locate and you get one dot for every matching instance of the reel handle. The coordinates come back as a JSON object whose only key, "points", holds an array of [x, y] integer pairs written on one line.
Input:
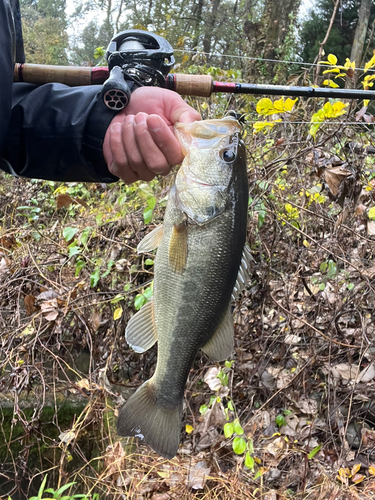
{"points": [[116, 92]]}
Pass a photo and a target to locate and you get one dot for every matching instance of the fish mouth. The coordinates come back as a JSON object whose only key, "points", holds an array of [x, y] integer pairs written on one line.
{"points": [[205, 134]]}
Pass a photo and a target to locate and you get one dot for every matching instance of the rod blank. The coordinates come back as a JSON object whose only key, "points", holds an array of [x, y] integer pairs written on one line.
{"points": [[190, 85]]}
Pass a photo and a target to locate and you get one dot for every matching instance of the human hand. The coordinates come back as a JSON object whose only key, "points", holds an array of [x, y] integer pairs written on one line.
{"points": [[140, 141]]}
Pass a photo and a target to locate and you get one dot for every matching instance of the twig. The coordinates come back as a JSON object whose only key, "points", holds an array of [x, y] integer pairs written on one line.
{"points": [[311, 326], [318, 57]]}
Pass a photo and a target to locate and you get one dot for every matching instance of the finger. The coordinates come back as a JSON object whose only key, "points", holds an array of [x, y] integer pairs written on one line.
{"points": [[165, 140], [154, 160], [120, 165], [125, 174], [132, 128]]}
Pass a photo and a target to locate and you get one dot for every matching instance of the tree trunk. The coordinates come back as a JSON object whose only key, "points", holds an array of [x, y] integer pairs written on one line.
{"points": [[360, 36], [268, 38], [210, 24]]}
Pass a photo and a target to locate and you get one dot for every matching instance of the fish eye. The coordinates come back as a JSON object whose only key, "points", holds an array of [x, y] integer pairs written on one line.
{"points": [[228, 155]]}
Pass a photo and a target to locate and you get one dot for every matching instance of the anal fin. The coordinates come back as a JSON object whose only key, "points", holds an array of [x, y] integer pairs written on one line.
{"points": [[243, 275], [221, 344], [140, 332], [151, 241]]}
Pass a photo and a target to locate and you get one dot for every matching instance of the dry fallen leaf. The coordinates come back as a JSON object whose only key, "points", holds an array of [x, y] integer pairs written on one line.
{"points": [[197, 475], [114, 459], [212, 380], [334, 177], [50, 309], [4, 267], [367, 374], [345, 371], [358, 478], [48, 295], [30, 307], [67, 437], [63, 201], [8, 241]]}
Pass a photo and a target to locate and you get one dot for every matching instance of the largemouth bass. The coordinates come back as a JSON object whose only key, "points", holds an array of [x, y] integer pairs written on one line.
{"points": [[201, 262]]}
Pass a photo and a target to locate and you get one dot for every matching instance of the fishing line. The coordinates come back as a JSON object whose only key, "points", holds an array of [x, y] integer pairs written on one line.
{"points": [[212, 54], [312, 123]]}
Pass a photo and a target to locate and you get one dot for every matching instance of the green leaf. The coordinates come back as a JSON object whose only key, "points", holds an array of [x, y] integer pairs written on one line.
{"points": [[239, 445], [149, 262], [223, 377], [322, 286], [148, 293], [350, 286], [109, 268], [41, 489], [139, 301], [117, 299], [203, 409], [69, 233], [85, 235], [151, 202], [230, 406], [74, 249], [63, 488], [249, 461], [258, 474], [94, 277], [237, 427], [314, 451], [80, 264], [147, 215], [280, 420], [371, 213], [228, 430], [332, 269]]}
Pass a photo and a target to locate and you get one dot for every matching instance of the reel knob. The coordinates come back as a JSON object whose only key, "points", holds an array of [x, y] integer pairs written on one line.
{"points": [[116, 92]]}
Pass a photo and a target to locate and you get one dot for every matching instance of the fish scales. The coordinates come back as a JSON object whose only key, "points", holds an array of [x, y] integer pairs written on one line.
{"points": [[205, 225]]}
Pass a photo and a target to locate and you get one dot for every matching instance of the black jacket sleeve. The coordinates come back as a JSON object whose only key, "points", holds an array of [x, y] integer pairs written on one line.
{"points": [[57, 132], [51, 132]]}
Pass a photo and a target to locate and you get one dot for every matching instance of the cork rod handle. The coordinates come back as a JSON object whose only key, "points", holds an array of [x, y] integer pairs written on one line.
{"points": [[39, 74]]}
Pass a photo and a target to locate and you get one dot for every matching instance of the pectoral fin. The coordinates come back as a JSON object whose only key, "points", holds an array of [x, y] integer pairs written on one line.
{"points": [[151, 241], [140, 332], [178, 248], [243, 272], [220, 346]]}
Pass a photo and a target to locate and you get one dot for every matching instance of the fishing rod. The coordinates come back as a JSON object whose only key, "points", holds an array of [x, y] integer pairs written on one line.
{"points": [[138, 58]]}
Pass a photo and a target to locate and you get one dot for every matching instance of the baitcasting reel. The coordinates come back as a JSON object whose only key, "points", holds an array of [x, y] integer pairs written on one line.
{"points": [[135, 58]]}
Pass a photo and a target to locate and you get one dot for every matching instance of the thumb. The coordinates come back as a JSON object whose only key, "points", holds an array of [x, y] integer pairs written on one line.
{"points": [[180, 111], [187, 115]]}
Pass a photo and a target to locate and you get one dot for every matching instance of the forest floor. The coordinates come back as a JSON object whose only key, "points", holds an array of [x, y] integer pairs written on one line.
{"points": [[300, 390]]}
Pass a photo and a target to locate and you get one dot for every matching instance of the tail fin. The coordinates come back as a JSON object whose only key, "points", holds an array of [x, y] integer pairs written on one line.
{"points": [[142, 417]]}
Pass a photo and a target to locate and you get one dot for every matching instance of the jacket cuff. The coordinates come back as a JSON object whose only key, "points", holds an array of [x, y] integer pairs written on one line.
{"points": [[98, 123]]}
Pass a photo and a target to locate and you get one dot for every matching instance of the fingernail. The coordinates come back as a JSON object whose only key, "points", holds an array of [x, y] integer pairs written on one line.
{"points": [[116, 127], [113, 168], [140, 119], [153, 124]]}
